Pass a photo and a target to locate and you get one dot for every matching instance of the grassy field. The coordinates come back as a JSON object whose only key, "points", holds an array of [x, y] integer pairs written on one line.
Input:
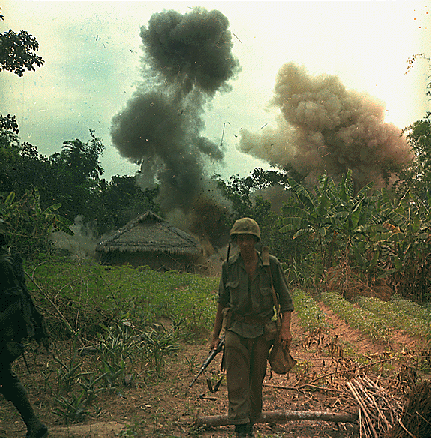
{"points": [[83, 296], [114, 325]]}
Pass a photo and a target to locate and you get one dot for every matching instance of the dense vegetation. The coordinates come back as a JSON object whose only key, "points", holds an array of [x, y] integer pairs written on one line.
{"points": [[367, 235], [364, 235], [114, 326]]}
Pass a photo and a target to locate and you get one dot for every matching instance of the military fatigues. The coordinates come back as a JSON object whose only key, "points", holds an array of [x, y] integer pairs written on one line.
{"points": [[19, 319], [247, 342]]}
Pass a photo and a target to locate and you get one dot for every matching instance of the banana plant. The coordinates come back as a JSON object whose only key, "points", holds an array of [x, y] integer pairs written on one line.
{"points": [[307, 220]]}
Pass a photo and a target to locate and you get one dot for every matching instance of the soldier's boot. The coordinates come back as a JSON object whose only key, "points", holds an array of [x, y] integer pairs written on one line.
{"points": [[241, 430], [35, 428], [249, 429]]}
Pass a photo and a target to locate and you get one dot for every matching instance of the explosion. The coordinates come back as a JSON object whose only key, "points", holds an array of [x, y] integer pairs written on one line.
{"points": [[187, 60], [324, 128]]}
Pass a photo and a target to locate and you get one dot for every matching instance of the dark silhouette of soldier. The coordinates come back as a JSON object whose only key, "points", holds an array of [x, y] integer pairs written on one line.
{"points": [[19, 320]]}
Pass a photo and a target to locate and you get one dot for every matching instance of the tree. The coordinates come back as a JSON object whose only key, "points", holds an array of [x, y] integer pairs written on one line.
{"points": [[121, 200], [28, 225], [9, 123], [241, 192], [17, 52], [17, 55], [75, 176], [417, 177], [327, 225]]}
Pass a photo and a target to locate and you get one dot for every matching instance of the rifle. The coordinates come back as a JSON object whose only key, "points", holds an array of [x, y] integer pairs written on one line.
{"points": [[209, 359]]}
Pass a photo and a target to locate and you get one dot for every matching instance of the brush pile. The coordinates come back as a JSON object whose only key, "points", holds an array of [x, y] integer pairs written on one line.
{"points": [[378, 410], [416, 417]]}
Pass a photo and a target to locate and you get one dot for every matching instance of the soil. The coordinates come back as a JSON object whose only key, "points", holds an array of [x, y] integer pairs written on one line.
{"points": [[166, 407]]}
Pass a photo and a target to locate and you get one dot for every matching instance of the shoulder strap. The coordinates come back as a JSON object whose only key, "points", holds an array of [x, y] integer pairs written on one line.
{"points": [[265, 259]]}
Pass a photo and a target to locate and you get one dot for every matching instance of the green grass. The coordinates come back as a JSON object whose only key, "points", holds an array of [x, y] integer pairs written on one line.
{"points": [[130, 320], [116, 312], [311, 317], [400, 314], [89, 296], [367, 322]]}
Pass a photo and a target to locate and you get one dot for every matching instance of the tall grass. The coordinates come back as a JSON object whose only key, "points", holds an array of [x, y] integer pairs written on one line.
{"points": [[120, 324], [81, 295], [310, 316]]}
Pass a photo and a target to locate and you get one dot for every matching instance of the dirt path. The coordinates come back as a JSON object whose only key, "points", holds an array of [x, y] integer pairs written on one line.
{"points": [[165, 407], [399, 340]]}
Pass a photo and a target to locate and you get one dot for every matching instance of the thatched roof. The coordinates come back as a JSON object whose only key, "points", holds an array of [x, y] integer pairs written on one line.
{"points": [[150, 233]]}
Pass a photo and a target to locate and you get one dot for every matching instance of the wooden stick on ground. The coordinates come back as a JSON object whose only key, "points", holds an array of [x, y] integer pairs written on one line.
{"points": [[282, 417], [377, 411], [300, 388]]}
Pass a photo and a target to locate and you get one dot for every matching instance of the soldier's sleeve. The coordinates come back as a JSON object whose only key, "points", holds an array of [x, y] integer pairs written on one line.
{"points": [[10, 303], [38, 329], [9, 285], [223, 292], [280, 285]]}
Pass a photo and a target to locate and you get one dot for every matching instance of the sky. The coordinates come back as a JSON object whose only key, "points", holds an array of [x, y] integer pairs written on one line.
{"points": [[94, 65]]}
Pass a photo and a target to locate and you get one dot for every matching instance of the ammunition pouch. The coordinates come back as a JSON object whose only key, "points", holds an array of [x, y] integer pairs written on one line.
{"points": [[227, 317]]}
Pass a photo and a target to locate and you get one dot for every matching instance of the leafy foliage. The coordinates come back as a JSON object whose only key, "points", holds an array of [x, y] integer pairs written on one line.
{"points": [[9, 123], [311, 317], [70, 182], [123, 323], [17, 52], [112, 214], [120, 333], [90, 297], [416, 178], [28, 225]]}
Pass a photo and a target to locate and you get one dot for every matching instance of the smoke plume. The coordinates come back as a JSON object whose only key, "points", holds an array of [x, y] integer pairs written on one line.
{"points": [[187, 59], [324, 128]]}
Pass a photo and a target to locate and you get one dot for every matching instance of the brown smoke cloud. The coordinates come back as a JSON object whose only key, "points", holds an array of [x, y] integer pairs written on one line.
{"points": [[187, 60], [324, 128]]}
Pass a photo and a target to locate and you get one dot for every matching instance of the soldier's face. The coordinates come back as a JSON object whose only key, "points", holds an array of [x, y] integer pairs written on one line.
{"points": [[245, 242]]}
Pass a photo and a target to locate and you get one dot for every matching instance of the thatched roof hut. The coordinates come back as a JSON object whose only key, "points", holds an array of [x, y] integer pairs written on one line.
{"points": [[149, 240]]}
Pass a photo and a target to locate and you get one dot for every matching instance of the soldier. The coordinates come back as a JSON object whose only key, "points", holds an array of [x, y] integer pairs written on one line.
{"points": [[19, 319], [246, 290]]}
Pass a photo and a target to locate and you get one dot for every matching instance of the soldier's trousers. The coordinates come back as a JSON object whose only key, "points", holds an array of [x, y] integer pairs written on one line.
{"points": [[14, 391], [246, 368]]}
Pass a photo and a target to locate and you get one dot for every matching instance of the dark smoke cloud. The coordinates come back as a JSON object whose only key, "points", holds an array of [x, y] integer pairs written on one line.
{"points": [[193, 49], [324, 128], [187, 59]]}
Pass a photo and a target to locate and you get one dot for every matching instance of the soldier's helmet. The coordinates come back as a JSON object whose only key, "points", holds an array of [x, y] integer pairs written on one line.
{"points": [[245, 225]]}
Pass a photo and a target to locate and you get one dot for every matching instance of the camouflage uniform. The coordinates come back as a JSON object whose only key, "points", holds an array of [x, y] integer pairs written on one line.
{"points": [[247, 342], [19, 319]]}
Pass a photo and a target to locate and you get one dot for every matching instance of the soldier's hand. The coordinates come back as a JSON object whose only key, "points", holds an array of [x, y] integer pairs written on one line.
{"points": [[214, 343], [286, 338]]}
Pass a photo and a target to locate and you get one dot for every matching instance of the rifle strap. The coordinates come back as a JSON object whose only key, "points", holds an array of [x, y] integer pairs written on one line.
{"points": [[265, 258]]}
